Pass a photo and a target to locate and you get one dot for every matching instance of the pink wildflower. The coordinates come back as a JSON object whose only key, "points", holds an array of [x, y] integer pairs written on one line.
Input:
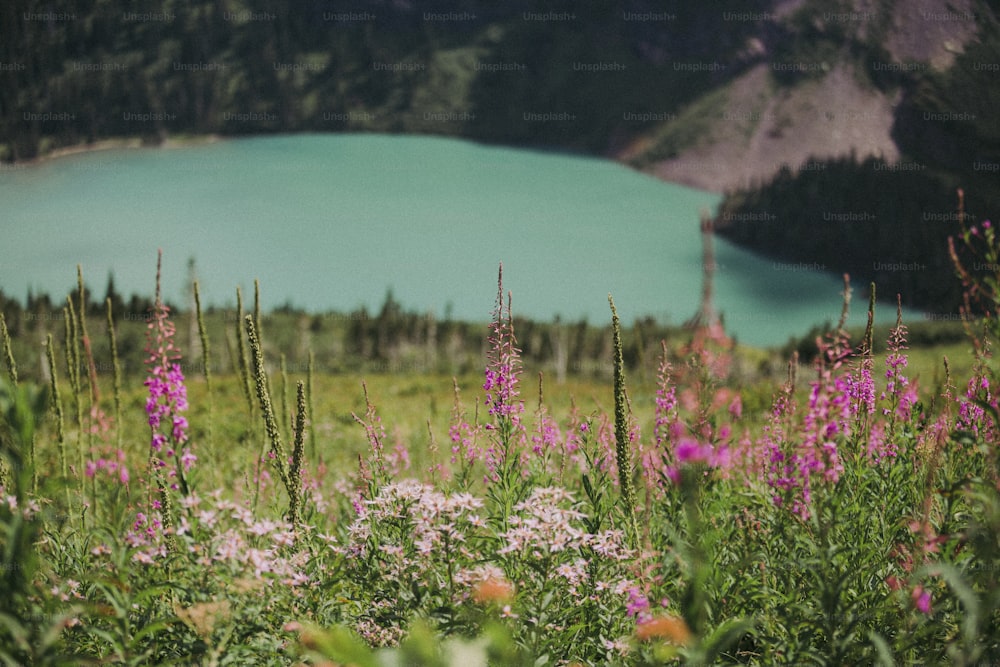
{"points": [[899, 395], [167, 393], [921, 599], [504, 367], [637, 606]]}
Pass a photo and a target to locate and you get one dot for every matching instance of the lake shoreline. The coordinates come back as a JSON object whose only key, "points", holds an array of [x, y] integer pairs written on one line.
{"points": [[185, 141], [120, 143]]}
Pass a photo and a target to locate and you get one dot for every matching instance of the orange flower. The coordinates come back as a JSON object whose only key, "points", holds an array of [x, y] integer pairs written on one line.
{"points": [[671, 628], [493, 590]]}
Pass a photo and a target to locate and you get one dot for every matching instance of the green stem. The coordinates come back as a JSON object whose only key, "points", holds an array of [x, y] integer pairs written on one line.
{"points": [[206, 370], [295, 474], [264, 397], [50, 355], [623, 451], [117, 373], [7, 352]]}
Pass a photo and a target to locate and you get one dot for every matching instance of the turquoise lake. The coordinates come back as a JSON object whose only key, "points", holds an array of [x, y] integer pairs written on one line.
{"points": [[331, 222]]}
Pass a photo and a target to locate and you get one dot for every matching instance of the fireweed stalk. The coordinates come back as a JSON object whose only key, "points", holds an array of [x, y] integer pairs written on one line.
{"points": [[931, 447], [167, 398], [826, 419], [861, 387], [983, 244], [776, 439], [464, 448], [796, 466], [546, 440], [506, 485], [709, 357], [375, 432], [502, 396], [976, 407], [667, 418], [898, 398]]}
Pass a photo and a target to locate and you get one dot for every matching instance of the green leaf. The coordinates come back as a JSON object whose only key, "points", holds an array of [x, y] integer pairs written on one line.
{"points": [[421, 646], [968, 598], [14, 627], [51, 635], [153, 627], [725, 636], [146, 593], [112, 639], [884, 653], [340, 645]]}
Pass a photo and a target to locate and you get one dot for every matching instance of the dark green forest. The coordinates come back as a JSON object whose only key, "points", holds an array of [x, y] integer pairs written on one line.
{"points": [[583, 76], [388, 340], [881, 223], [81, 71]]}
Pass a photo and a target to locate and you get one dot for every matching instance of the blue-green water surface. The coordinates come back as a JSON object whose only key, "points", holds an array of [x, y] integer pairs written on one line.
{"points": [[331, 222]]}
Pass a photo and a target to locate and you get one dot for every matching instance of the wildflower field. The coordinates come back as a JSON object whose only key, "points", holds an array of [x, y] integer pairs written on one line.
{"points": [[857, 523]]}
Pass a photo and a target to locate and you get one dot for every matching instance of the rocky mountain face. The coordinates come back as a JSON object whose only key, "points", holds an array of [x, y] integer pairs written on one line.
{"points": [[854, 158], [816, 81]]}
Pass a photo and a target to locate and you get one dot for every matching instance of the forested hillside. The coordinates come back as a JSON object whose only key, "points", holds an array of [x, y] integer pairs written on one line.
{"points": [[792, 108], [889, 221], [571, 75]]}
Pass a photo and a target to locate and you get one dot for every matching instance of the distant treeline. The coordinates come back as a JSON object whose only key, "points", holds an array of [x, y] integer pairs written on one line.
{"points": [[889, 222], [390, 340], [387, 341]]}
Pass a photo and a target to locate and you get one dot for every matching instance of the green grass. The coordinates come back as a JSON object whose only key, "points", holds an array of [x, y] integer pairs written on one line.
{"points": [[389, 553]]}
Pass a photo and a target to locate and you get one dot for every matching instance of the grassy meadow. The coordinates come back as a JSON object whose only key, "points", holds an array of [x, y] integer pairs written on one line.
{"points": [[229, 488]]}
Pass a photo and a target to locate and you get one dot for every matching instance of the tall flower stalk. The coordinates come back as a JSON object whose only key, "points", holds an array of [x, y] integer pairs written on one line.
{"points": [[167, 400], [375, 432], [264, 397], [862, 386], [981, 245], [504, 405], [205, 360], [288, 470], [898, 398], [298, 444], [502, 373], [623, 439], [464, 441], [57, 410], [7, 353], [116, 373], [834, 400]]}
